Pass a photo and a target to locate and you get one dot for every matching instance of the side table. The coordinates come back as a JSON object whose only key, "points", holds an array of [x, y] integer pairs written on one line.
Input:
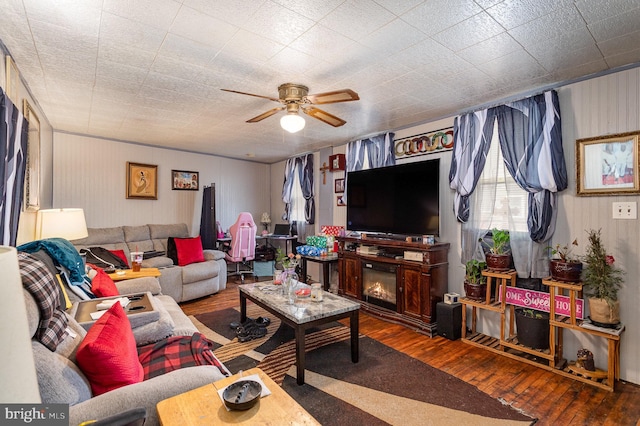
{"points": [[325, 261], [203, 406], [129, 274]]}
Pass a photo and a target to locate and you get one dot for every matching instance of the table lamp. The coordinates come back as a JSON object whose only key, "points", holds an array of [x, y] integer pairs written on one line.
{"points": [[61, 223], [265, 220]]}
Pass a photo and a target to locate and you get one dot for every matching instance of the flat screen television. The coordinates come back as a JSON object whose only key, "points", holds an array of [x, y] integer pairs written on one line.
{"points": [[398, 200]]}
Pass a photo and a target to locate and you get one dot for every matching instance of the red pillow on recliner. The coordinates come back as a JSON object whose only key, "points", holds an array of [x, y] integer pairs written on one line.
{"points": [[189, 250]]}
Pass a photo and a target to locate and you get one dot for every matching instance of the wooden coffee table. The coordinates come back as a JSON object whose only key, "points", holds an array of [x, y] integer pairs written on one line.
{"points": [[302, 315], [203, 406]]}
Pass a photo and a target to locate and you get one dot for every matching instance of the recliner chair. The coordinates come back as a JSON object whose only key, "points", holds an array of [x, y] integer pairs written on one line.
{"points": [[242, 249]]}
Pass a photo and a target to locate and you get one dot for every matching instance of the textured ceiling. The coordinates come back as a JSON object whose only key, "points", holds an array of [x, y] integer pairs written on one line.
{"points": [[150, 71]]}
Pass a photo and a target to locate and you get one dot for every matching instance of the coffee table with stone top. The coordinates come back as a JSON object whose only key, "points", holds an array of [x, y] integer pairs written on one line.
{"points": [[302, 315]]}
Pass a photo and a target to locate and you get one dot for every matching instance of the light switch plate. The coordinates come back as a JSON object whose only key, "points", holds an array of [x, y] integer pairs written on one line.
{"points": [[625, 210]]}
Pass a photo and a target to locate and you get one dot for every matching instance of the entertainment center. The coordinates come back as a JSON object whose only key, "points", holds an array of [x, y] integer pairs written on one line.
{"points": [[398, 280]]}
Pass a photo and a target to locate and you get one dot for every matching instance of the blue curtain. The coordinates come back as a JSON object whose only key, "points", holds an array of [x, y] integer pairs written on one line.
{"points": [[531, 143], [304, 166], [13, 149], [379, 150], [305, 174], [471, 142]]}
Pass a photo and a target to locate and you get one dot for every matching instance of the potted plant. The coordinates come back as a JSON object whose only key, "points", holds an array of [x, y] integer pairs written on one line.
{"points": [[564, 266], [499, 256], [475, 284], [602, 280], [532, 328]]}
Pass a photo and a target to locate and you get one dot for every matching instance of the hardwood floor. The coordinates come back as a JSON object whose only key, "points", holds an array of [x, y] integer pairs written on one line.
{"points": [[553, 399]]}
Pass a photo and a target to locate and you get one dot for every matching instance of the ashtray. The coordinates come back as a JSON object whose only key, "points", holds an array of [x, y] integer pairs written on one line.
{"points": [[242, 395]]}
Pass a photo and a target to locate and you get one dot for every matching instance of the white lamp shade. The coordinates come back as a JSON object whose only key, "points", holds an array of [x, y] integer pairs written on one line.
{"points": [[61, 223], [292, 123]]}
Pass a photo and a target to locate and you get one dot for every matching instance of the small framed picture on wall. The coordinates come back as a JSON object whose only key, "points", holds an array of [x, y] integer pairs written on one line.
{"points": [[184, 180], [339, 186], [340, 201]]}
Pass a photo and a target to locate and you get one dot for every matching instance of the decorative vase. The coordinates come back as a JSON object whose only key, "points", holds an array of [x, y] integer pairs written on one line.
{"points": [[565, 271], [601, 313], [498, 262], [289, 282]]}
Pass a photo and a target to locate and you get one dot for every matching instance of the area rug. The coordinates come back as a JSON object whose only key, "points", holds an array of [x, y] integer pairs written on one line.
{"points": [[384, 387]]}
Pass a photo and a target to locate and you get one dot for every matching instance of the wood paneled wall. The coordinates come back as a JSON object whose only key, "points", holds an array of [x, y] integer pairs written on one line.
{"points": [[91, 173]]}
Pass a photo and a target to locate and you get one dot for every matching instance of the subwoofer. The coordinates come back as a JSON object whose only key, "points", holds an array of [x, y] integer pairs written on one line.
{"points": [[449, 320]]}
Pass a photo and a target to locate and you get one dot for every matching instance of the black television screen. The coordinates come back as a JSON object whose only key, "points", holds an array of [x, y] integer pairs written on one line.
{"points": [[400, 200]]}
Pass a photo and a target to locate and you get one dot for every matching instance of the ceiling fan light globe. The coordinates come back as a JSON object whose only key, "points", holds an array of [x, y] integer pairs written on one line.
{"points": [[292, 123]]}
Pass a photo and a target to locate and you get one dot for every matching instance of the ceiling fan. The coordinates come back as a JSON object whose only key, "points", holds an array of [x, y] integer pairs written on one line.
{"points": [[295, 97]]}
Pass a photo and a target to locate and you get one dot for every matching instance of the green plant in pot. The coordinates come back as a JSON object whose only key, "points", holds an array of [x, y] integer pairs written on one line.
{"points": [[602, 280], [475, 284], [532, 328], [564, 265], [499, 256]]}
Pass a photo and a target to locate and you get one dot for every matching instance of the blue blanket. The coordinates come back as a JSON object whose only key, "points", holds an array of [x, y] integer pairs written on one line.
{"points": [[62, 252]]}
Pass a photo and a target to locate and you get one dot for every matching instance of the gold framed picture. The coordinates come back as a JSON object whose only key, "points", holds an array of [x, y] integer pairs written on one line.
{"points": [[32, 169], [142, 181], [608, 165]]}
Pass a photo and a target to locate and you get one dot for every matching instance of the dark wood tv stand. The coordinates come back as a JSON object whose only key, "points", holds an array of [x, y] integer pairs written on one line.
{"points": [[420, 284]]}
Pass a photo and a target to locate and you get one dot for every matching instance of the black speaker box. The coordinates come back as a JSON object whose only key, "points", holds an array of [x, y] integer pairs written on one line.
{"points": [[449, 320]]}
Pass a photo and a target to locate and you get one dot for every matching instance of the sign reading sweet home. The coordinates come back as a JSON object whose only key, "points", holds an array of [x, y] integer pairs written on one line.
{"points": [[541, 301]]}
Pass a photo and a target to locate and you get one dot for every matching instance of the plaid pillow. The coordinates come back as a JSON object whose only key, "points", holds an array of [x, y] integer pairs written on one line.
{"points": [[42, 285]]}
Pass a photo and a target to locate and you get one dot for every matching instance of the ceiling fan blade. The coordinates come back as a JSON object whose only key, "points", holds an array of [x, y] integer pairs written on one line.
{"points": [[251, 94], [265, 115], [345, 95], [324, 116]]}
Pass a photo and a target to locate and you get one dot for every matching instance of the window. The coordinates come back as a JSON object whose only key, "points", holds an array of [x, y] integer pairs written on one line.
{"points": [[503, 204]]}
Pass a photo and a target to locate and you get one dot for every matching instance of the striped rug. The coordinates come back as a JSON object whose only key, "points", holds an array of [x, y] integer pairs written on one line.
{"points": [[384, 387]]}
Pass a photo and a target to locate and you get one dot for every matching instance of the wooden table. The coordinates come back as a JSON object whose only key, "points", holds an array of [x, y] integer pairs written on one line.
{"points": [[302, 315], [129, 274], [325, 261], [203, 406]]}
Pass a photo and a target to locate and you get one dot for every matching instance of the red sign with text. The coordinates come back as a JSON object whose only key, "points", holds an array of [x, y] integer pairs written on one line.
{"points": [[541, 301]]}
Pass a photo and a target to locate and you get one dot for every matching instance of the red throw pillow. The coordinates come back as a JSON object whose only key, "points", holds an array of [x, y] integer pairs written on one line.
{"points": [[121, 255], [108, 355], [189, 250], [102, 285]]}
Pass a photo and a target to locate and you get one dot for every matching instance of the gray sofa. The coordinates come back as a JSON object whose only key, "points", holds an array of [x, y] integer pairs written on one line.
{"points": [[60, 380], [182, 283]]}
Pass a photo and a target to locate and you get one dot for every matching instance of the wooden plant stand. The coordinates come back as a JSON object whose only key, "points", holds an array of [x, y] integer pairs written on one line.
{"points": [[549, 359]]}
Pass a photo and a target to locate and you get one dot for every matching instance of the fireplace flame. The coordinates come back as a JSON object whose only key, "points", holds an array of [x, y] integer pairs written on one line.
{"points": [[378, 291]]}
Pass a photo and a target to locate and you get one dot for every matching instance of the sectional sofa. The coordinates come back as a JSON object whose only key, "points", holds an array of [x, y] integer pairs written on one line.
{"points": [[182, 283]]}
